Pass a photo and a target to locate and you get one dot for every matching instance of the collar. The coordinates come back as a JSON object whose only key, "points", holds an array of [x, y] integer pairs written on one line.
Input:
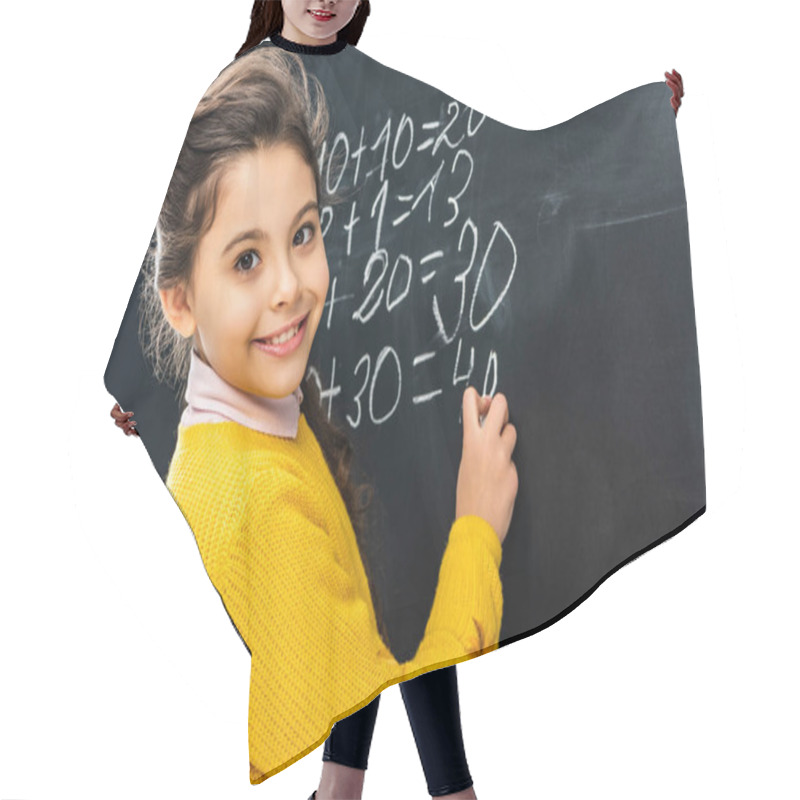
{"points": [[311, 49], [210, 398]]}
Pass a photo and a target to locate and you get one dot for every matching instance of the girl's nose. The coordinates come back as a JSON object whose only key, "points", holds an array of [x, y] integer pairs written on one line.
{"points": [[287, 285]]}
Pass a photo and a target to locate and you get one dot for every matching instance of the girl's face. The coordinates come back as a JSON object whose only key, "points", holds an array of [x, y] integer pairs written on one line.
{"points": [[259, 271], [316, 22]]}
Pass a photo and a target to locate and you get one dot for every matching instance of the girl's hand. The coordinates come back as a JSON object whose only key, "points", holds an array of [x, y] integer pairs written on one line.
{"points": [[675, 82], [123, 420], [487, 477]]}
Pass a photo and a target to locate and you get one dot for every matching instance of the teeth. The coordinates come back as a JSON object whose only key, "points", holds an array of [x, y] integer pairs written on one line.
{"points": [[284, 337]]}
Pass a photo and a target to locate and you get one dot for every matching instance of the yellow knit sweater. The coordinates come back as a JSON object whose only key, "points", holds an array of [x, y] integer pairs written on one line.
{"points": [[278, 545]]}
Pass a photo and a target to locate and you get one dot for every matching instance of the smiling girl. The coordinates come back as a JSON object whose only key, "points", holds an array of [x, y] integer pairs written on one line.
{"points": [[239, 283]]}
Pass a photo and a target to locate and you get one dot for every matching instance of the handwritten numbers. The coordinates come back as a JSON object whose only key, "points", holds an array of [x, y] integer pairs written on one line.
{"points": [[405, 123], [453, 199], [471, 131], [327, 212], [381, 196], [442, 137], [498, 226], [357, 399], [404, 259], [412, 153], [491, 365], [385, 135], [388, 350], [338, 163], [404, 263], [378, 256], [460, 278], [365, 359], [463, 378]]}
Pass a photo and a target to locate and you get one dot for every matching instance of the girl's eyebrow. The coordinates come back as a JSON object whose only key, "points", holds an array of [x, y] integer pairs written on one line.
{"points": [[257, 233]]}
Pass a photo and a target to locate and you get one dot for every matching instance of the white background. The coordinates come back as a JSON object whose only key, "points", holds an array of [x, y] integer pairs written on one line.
{"points": [[120, 675]]}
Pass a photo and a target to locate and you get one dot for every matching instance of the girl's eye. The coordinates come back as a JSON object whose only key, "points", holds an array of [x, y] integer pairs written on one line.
{"points": [[308, 228], [245, 262]]}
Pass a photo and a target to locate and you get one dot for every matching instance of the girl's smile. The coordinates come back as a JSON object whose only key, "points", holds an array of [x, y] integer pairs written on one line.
{"points": [[260, 274], [320, 15], [284, 341]]}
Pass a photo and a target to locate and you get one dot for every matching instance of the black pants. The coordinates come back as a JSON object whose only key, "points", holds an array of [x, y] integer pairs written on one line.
{"points": [[432, 706]]}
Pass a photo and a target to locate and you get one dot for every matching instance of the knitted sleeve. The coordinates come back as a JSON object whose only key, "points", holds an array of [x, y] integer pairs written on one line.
{"points": [[316, 654], [468, 605]]}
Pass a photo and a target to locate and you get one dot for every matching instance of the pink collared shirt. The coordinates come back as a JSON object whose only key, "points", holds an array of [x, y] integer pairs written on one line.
{"points": [[212, 399]]}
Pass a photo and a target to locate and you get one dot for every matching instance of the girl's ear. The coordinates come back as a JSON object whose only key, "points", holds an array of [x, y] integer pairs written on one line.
{"points": [[177, 311]]}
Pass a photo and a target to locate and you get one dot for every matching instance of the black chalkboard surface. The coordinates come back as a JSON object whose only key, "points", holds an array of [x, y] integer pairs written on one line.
{"points": [[552, 266]]}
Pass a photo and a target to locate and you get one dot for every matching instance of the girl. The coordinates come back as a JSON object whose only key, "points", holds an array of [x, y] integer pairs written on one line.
{"points": [[431, 699], [241, 277]]}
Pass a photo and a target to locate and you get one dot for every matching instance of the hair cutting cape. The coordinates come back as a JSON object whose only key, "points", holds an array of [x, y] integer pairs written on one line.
{"points": [[552, 266]]}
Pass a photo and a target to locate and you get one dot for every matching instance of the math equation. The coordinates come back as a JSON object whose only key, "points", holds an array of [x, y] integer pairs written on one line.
{"points": [[400, 226]]}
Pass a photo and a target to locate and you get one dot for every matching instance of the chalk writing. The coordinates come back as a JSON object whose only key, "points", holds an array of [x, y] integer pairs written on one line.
{"points": [[417, 173]]}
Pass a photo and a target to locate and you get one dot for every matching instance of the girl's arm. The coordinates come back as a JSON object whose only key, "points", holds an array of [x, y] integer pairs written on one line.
{"points": [[468, 606], [305, 612]]}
